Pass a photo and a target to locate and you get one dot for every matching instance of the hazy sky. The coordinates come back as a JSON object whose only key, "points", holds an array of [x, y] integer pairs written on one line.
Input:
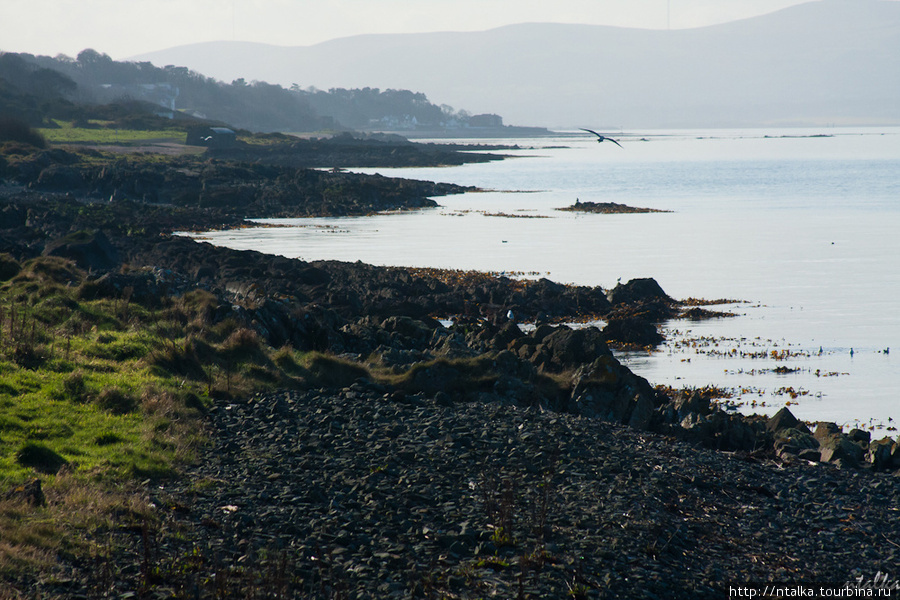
{"points": [[123, 28]]}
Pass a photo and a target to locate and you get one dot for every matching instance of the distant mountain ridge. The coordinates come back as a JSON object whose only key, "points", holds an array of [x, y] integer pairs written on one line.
{"points": [[823, 62]]}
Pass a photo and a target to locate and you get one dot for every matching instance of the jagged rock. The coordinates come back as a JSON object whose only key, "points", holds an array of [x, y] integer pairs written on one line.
{"points": [[417, 329], [637, 290], [792, 441], [837, 447], [605, 389], [693, 404], [60, 178], [859, 436], [882, 454], [825, 430], [720, 430], [508, 333], [141, 287], [784, 419], [840, 448], [566, 348], [632, 330], [642, 412]]}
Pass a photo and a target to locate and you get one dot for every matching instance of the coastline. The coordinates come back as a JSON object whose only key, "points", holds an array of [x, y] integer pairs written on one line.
{"points": [[478, 380]]}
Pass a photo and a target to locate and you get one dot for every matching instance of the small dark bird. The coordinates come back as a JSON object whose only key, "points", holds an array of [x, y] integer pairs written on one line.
{"points": [[602, 138]]}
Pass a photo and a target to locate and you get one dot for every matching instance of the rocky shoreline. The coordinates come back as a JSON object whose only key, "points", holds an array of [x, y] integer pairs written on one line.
{"points": [[487, 461], [360, 493]]}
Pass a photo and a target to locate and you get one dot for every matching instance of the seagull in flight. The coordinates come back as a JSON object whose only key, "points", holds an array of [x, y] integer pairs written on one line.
{"points": [[602, 138]]}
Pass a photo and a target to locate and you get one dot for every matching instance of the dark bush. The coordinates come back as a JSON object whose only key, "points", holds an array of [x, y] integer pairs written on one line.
{"points": [[14, 130], [9, 267]]}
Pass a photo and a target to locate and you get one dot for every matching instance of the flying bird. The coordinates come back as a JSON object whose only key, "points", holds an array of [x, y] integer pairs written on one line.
{"points": [[602, 138]]}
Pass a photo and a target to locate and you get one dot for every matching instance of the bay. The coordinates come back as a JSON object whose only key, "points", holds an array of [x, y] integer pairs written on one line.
{"points": [[800, 224]]}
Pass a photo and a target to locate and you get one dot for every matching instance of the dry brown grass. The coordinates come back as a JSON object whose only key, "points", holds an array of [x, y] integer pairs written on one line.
{"points": [[32, 537]]}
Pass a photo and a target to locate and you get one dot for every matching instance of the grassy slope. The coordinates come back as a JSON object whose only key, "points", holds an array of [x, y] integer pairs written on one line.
{"points": [[100, 393], [97, 393], [102, 132]]}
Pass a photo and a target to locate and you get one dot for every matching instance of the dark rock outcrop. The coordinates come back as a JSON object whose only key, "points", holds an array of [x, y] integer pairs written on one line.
{"points": [[90, 250], [637, 290], [632, 331], [606, 390]]}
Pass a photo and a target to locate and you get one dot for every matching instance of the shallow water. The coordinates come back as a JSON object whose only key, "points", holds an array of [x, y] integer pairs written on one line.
{"points": [[800, 224]]}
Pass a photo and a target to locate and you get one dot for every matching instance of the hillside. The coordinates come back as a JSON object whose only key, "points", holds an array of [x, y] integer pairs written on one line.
{"points": [[824, 62], [37, 89]]}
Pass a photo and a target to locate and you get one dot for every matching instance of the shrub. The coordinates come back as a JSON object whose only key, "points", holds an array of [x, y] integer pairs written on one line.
{"points": [[54, 269], [330, 371], [9, 267], [116, 401], [14, 130], [75, 387], [284, 359], [242, 339]]}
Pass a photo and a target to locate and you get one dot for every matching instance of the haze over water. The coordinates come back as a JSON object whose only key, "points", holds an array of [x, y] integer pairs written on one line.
{"points": [[801, 224]]}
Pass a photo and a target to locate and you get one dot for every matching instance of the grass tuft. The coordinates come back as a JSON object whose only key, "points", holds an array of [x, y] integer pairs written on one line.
{"points": [[324, 370]]}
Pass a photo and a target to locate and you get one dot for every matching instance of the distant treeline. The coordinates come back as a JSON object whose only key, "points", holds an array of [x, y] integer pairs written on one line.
{"points": [[37, 89]]}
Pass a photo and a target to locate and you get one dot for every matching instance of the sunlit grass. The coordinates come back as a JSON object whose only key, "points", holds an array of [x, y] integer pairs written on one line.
{"points": [[99, 393], [104, 133]]}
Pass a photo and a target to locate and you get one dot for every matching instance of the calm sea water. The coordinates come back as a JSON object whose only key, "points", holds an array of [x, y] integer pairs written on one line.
{"points": [[801, 225]]}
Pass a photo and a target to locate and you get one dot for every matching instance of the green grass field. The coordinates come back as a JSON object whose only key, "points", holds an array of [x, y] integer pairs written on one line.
{"points": [[101, 133]]}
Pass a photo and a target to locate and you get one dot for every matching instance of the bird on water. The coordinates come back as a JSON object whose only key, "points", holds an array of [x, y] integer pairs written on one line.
{"points": [[602, 138]]}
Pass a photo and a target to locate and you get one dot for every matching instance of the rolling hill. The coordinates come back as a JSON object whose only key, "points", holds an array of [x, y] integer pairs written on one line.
{"points": [[823, 62]]}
